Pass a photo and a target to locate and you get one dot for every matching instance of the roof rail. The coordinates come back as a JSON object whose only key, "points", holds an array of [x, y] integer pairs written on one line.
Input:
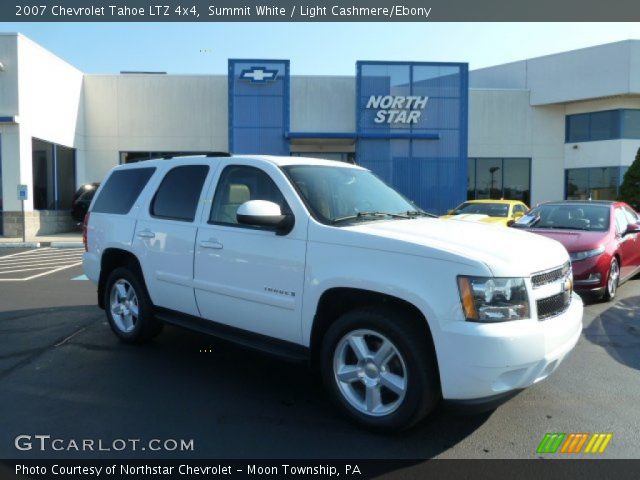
{"points": [[169, 156]]}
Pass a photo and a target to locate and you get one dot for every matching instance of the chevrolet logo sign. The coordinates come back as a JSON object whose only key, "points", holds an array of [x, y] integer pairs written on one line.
{"points": [[258, 75]]}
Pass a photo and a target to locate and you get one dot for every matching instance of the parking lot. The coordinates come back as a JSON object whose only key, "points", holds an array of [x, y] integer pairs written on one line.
{"points": [[63, 373]]}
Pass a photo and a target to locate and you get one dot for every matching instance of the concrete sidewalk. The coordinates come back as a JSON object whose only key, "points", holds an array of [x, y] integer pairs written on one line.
{"points": [[58, 240]]}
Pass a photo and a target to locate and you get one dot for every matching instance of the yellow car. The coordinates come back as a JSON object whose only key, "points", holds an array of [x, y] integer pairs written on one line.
{"points": [[497, 212]]}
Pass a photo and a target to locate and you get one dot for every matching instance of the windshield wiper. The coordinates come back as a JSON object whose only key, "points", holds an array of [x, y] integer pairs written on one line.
{"points": [[419, 213], [360, 215]]}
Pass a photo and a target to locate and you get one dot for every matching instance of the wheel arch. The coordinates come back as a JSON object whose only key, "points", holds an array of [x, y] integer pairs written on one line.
{"points": [[111, 259], [336, 301]]}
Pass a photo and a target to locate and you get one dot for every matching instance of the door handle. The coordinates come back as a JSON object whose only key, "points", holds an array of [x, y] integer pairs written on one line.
{"points": [[146, 234], [211, 243]]}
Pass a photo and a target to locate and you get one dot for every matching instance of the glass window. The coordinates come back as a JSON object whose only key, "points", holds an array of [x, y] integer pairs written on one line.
{"points": [[66, 176], [516, 179], [44, 189], [631, 124], [598, 183], [121, 190], [489, 178], [632, 217], [562, 216], [239, 184], [334, 193], [471, 179], [604, 125], [621, 221], [578, 127], [179, 192]]}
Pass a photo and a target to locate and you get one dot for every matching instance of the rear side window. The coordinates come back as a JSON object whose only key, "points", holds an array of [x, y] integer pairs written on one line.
{"points": [[178, 194], [121, 190]]}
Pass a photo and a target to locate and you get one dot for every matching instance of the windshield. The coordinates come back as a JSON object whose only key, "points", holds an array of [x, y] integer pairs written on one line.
{"points": [[491, 209], [337, 193], [568, 217]]}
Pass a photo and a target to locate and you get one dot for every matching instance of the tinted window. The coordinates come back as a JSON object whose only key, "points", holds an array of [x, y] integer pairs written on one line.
{"points": [[632, 216], [621, 220], [178, 194], [239, 184], [121, 190]]}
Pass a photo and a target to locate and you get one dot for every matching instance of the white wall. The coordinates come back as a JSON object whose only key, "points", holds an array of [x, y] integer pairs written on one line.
{"points": [[323, 104], [600, 71], [49, 100], [503, 124], [137, 112]]}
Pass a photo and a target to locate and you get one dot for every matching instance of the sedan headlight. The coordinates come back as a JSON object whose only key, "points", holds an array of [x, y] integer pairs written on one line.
{"points": [[577, 256], [489, 299]]}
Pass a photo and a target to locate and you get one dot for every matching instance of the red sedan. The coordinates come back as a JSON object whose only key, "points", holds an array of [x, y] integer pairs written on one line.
{"points": [[601, 238]]}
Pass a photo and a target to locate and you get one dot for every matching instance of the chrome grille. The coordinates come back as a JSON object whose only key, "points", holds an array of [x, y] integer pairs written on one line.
{"points": [[554, 305], [550, 276]]}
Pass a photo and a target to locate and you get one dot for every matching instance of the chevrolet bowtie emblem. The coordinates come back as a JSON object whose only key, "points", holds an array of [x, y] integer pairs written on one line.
{"points": [[259, 74]]}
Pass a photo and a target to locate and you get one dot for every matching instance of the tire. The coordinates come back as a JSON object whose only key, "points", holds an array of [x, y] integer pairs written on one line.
{"points": [[124, 294], [406, 378], [613, 280]]}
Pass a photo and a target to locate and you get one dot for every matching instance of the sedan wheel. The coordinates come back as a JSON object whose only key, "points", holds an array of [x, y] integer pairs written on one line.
{"points": [[612, 280]]}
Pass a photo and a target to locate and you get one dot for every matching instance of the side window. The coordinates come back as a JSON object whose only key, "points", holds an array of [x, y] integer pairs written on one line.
{"points": [[121, 190], [621, 221], [239, 184], [518, 209], [178, 194], [632, 217]]}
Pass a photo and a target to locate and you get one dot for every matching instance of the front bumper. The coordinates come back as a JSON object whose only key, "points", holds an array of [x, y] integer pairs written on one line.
{"points": [[481, 361]]}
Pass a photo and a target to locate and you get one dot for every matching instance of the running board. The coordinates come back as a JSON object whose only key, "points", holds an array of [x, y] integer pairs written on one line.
{"points": [[281, 348]]}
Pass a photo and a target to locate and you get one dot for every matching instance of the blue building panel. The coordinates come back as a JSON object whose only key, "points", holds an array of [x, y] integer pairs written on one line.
{"points": [[412, 128], [259, 106]]}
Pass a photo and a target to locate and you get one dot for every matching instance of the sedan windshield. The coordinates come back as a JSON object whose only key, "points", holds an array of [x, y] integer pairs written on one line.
{"points": [[567, 217], [340, 194], [491, 209]]}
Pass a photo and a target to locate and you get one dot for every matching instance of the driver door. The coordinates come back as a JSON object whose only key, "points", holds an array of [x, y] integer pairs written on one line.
{"points": [[244, 276]]}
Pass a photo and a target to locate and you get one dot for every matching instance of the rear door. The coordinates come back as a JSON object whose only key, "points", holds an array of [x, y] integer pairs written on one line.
{"points": [[165, 236]]}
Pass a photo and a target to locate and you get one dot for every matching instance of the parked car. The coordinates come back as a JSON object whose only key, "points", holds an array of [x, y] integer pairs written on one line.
{"points": [[498, 212], [322, 261], [82, 199], [601, 238]]}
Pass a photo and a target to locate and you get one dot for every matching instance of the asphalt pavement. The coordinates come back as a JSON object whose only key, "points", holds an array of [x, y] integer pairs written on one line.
{"points": [[64, 374]]}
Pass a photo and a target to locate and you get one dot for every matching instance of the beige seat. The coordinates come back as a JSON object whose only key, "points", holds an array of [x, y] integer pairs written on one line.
{"points": [[237, 195]]}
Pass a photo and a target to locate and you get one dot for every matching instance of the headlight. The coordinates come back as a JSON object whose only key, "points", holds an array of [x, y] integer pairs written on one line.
{"points": [[576, 256], [489, 299]]}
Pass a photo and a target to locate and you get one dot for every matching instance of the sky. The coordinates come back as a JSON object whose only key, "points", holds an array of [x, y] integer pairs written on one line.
{"points": [[313, 48]]}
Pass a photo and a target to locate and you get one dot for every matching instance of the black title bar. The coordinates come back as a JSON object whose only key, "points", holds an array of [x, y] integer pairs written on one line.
{"points": [[317, 10]]}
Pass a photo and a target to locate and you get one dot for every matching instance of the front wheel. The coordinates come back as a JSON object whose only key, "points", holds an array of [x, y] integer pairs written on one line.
{"points": [[613, 278], [379, 367]]}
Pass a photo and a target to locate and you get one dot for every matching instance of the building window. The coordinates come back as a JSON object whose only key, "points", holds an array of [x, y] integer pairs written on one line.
{"points": [[348, 157], [54, 175], [508, 178], [605, 125], [599, 183]]}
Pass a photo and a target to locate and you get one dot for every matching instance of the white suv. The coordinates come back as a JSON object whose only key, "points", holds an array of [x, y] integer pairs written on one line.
{"points": [[321, 260]]}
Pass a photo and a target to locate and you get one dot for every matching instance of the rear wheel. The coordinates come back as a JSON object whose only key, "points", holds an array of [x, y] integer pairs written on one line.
{"points": [[380, 368], [613, 278], [129, 308]]}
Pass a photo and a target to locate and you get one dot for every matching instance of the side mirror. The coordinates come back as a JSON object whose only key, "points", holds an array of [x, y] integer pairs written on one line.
{"points": [[633, 228], [451, 212], [261, 213], [511, 222]]}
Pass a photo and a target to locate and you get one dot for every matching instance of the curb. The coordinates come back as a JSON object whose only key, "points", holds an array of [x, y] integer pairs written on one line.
{"points": [[66, 245], [19, 244]]}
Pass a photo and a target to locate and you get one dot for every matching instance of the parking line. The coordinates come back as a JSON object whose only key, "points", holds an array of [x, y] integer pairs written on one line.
{"points": [[39, 274], [30, 263], [25, 252]]}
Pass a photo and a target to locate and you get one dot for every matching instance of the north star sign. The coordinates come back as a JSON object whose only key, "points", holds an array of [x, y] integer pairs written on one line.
{"points": [[397, 108]]}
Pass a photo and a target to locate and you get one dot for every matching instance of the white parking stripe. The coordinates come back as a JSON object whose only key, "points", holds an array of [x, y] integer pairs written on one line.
{"points": [[43, 260]]}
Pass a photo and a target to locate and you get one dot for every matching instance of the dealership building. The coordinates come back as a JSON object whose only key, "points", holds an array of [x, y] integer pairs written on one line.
{"points": [[548, 128]]}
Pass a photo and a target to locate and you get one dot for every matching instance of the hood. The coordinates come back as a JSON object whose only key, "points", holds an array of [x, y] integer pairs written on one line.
{"points": [[573, 240], [476, 217], [505, 251]]}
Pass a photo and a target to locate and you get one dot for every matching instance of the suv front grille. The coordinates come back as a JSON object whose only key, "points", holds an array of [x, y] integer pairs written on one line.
{"points": [[550, 276], [554, 305]]}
